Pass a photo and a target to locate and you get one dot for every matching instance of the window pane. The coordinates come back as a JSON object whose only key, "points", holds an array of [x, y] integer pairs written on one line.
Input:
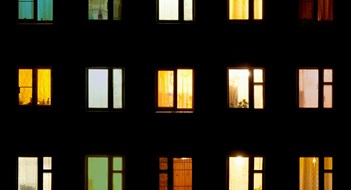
{"points": [[163, 163], [25, 86], [117, 9], [258, 96], [325, 10], [47, 181], [328, 163], [168, 9], [182, 173], [306, 9], [97, 173], [238, 88], [98, 9], [117, 88], [45, 8], [308, 88], [257, 181], [188, 9], [258, 9], [328, 96], [309, 173], [117, 181], [328, 181], [239, 9], [328, 75], [98, 88], [163, 181], [184, 88], [258, 75], [238, 173], [27, 173], [258, 163], [26, 9], [165, 88], [47, 163], [117, 164], [44, 87]]}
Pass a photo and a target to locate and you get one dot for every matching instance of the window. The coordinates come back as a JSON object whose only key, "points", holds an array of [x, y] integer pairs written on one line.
{"points": [[245, 9], [246, 85], [246, 173], [98, 9], [100, 80], [34, 87], [35, 10], [175, 173], [175, 10], [321, 10], [309, 85], [31, 169], [175, 89], [104, 173], [310, 168]]}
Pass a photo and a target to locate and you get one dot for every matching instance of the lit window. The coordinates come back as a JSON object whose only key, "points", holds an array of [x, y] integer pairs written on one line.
{"points": [[309, 88], [104, 173], [324, 10], [175, 89], [30, 169], [239, 89], [243, 173], [176, 171], [98, 9], [310, 168], [99, 81], [240, 9], [175, 10], [35, 10], [34, 85]]}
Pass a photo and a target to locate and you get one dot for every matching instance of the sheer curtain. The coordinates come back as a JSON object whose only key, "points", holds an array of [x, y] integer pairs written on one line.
{"points": [[182, 173], [98, 10], [184, 88], [239, 9], [27, 173], [308, 88], [238, 173], [25, 82], [309, 168], [325, 10], [98, 88], [165, 89]]}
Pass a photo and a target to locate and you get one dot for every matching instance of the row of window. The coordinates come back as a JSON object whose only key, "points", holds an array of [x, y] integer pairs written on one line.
{"points": [[175, 88], [173, 10], [104, 172]]}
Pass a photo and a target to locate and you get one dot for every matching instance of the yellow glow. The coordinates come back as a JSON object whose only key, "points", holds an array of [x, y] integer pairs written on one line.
{"points": [[258, 75], [182, 173], [258, 9], [258, 181], [328, 181], [25, 80], [309, 173], [185, 88], [238, 9], [258, 163], [238, 173], [168, 9], [238, 88], [165, 89], [44, 87], [328, 163], [188, 9]]}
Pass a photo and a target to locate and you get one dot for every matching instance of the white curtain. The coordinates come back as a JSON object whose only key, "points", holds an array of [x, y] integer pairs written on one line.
{"points": [[308, 88], [27, 173]]}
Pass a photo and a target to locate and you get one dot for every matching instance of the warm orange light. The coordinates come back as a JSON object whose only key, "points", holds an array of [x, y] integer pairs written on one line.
{"points": [[165, 89], [25, 80], [44, 87], [184, 88], [238, 9]]}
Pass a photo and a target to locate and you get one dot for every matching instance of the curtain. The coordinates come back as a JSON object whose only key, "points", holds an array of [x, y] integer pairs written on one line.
{"points": [[239, 9], [306, 9], [97, 173], [325, 10], [26, 9], [117, 9], [44, 86], [188, 9], [182, 173], [308, 88], [27, 173], [163, 177], [25, 82], [98, 88], [45, 10], [184, 88], [238, 173], [258, 9], [168, 10], [117, 88], [309, 173], [165, 89], [238, 88], [98, 10]]}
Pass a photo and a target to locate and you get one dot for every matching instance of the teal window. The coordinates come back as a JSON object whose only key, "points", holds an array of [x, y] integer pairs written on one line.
{"points": [[35, 10]]}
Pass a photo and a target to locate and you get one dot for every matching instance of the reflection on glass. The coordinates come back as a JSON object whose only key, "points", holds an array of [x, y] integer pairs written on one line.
{"points": [[308, 88], [184, 88], [44, 87], [98, 88], [258, 9], [306, 9], [188, 9], [117, 9], [98, 9], [257, 181], [27, 173], [47, 181], [325, 10]]}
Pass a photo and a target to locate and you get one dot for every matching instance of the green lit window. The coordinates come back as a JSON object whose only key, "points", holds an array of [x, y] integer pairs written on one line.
{"points": [[99, 10], [35, 10]]}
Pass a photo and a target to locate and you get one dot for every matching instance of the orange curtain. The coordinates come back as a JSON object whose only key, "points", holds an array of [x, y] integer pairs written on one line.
{"points": [[182, 173], [309, 173], [325, 10], [306, 9], [238, 9], [44, 87], [185, 88], [165, 88]]}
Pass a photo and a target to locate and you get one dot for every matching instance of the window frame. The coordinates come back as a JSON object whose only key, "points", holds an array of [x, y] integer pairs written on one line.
{"points": [[35, 14], [110, 100], [180, 13], [251, 12], [110, 10]]}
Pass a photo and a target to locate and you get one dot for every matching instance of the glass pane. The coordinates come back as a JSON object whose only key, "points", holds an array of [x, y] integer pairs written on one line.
{"points": [[184, 88], [27, 173], [188, 9], [117, 163], [163, 163], [238, 173], [117, 181], [97, 173], [306, 9], [165, 88], [44, 87], [325, 10], [98, 9], [309, 173], [182, 173], [238, 88], [328, 75], [258, 9], [117, 9], [239, 9], [47, 181], [98, 88], [163, 181], [168, 9], [25, 9], [117, 88], [45, 8], [258, 75], [308, 88], [328, 181], [258, 96], [25, 86], [258, 163], [328, 163], [328, 96], [257, 181], [47, 163]]}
